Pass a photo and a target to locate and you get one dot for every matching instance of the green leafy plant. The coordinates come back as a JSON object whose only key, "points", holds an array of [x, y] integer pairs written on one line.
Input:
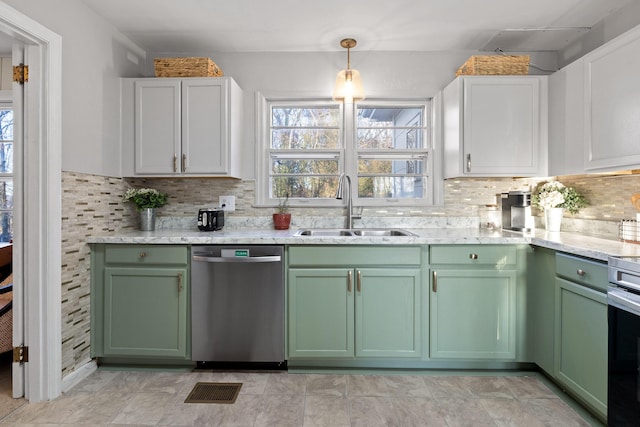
{"points": [[283, 204], [145, 198], [554, 194]]}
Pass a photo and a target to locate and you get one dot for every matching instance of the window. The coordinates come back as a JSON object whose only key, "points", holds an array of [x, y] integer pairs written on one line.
{"points": [[6, 173], [383, 146], [391, 152]]}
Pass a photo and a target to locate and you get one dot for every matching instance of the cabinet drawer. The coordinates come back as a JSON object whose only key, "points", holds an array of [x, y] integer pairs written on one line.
{"points": [[146, 254], [353, 256], [473, 254], [581, 270]]}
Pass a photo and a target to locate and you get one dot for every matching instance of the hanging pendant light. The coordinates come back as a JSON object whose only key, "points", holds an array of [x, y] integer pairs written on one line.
{"points": [[348, 83]]}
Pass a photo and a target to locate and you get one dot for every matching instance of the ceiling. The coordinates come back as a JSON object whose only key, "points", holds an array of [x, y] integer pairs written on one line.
{"points": [[170, 26]]}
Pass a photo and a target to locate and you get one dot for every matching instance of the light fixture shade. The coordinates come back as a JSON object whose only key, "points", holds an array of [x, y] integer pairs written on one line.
{"points": [[348, 87]]}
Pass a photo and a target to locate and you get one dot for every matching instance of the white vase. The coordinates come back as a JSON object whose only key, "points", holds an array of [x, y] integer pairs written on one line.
{"points": [[148, 219], [553, 218]]}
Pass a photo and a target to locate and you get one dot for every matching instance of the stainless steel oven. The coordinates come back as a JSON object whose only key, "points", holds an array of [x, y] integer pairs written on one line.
{"points": [[624, 342]]}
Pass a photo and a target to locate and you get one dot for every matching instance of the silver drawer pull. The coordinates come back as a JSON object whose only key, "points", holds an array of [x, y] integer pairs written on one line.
{"points": [[581, 272], [434, 284], [473, 256], [142, 255]]}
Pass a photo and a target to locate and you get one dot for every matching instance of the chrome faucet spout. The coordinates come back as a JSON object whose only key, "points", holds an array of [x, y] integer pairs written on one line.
{"points": [[340, 195]]}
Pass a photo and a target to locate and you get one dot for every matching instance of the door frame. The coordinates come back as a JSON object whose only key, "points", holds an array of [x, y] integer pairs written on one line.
{"points": [[37, 185]]}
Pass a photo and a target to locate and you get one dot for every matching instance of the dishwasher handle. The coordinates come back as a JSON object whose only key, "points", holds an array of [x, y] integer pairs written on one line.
{"points": [[251, 259]]}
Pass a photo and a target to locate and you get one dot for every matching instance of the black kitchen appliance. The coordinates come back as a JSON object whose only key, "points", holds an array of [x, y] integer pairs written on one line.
{"points": [[623, 402], [210, 219], [516, 210]]}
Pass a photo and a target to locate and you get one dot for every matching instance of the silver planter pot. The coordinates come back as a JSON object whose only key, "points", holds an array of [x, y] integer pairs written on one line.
{"points": [[148, 219]]}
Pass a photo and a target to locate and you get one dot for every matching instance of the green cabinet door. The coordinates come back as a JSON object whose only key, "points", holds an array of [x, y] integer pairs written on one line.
{"points": [[541, 293], [581, 343], [321, 312], [387, 312], [473, 314], [145, 312]]}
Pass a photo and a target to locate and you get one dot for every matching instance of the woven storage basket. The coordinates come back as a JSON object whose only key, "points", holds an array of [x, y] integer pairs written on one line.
{"points": [[494, 65], [186, 67]]}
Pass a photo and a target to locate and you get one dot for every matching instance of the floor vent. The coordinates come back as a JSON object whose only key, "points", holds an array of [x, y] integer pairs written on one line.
{"points": [[214, 393]]}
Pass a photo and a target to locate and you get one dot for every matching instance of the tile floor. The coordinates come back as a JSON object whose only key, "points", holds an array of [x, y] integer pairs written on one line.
{"points": [[119, 398]]}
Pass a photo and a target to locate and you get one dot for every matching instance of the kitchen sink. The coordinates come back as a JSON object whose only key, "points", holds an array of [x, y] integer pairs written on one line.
{"points": [[382, 232], [323, 232]]}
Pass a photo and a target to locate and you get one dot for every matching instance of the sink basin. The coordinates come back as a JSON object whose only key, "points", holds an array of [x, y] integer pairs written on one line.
{"points": [[323, 232], [382, 232], [326, 232]]}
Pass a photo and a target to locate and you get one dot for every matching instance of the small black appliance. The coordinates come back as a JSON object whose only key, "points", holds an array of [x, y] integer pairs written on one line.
{"points": [[210, 219]]}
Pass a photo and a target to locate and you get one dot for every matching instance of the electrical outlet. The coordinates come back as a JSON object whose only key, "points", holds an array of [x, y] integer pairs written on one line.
{"points": [[227, 203]]}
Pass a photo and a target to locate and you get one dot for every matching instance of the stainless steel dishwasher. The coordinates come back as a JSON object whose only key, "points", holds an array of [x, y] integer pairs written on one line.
{"points": [[237, 305]]}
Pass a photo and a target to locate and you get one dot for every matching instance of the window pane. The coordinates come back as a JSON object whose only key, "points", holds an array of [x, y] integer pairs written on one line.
{"points": [[6, 141], [397, 128], [387, 166], [299, 166], [6, 193], [6, 226], [305, 117], [310, 187], [6, 125], [315, 139], [391, 187]]}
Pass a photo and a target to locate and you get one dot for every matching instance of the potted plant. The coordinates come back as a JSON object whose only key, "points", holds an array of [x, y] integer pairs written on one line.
{"points": [[146, 200], [282, 218], [553, 198]]}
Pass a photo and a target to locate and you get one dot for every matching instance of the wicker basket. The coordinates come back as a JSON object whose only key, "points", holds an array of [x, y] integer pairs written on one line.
{"points": [[186, 67], [495, 65]]}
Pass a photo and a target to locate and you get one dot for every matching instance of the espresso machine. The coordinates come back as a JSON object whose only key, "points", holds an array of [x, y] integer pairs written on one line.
{"points": [[516, 210]]}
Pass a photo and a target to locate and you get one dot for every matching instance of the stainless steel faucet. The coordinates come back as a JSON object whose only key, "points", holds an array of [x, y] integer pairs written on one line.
{"points": [[340, 196]]}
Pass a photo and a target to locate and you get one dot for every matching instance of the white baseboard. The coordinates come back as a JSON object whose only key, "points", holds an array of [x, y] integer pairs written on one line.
{"points": [[71, 380]]}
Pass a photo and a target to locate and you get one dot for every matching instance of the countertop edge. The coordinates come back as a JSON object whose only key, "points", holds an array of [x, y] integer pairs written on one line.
{"points": [[586, 246]]}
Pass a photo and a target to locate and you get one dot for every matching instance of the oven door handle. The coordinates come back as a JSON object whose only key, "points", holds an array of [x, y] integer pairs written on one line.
{"points": [[252, 259], [624, 300]]}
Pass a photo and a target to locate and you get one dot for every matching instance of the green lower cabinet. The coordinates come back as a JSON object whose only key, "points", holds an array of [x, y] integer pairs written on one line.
{"points": [[347, 313], [473, 314], [387, 313], [321, 313], [581, 343], [145, 312], [541, 294], [140, 304]]}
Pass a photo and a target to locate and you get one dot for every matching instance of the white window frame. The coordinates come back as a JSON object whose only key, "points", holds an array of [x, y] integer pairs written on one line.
{"points": [[348, 160]]}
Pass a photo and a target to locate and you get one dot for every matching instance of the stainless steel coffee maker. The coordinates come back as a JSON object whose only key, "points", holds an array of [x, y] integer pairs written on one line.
{"points": [[516, 210]]}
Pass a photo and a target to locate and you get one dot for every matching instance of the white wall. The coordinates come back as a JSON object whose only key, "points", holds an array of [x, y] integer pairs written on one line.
{"points": [[94, 56], [602, 32], [384, 74]]}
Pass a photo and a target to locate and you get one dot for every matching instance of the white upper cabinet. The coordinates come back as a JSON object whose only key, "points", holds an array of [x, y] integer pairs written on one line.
{"points": [[181, 127], [566, 120], [612, 104], [495, 126]]}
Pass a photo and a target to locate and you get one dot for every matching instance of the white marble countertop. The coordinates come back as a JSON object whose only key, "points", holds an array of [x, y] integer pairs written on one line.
{"points": [[591, 247]]}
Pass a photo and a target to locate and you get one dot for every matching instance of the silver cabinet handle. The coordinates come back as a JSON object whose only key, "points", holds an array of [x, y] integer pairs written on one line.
{"points": [[142, 255], [349, 281], [434, 283], [359, 283], [175, 163], [179, 282], [581, 272], [469, 162], [184, 163], [473, 256]]}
